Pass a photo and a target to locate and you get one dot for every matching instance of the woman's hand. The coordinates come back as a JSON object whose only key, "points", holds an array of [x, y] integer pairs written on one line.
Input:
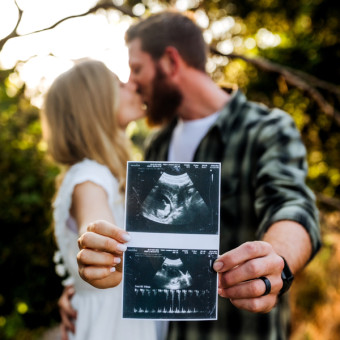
{"points": [[100, 256]]}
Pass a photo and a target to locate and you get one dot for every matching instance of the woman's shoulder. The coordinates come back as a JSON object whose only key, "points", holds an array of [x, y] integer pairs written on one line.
{"points": [[87, 165], [89, 169], [84, 171]]}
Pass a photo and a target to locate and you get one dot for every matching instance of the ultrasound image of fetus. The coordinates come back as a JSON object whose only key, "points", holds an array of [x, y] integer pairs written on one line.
{"points": [[172, 276], [174, 200]]}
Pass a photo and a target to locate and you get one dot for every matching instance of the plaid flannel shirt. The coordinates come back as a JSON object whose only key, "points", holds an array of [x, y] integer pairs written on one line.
{"points": [[263, 170]]}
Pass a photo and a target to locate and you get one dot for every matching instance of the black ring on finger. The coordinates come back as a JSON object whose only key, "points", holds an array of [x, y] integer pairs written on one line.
{"points": [[268, 285]]}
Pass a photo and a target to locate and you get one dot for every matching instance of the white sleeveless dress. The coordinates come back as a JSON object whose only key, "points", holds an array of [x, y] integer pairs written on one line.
{"points": [[98, 310]]}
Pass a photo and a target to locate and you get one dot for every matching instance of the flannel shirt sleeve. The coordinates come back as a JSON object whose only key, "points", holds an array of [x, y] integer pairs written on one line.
{"points": [[281, 192]]}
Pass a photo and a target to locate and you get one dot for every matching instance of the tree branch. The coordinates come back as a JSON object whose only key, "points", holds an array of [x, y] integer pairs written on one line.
{"points": [[294, 78], [105, 6], [329, 201], [94, 9], [14, 33]]}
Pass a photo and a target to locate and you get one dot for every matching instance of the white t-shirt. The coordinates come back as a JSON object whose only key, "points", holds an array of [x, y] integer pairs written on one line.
{"points": [[186, 137]]}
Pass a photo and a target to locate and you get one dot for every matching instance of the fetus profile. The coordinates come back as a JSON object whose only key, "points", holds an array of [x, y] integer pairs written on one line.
{"points": [[172, 275], [174, 200]]}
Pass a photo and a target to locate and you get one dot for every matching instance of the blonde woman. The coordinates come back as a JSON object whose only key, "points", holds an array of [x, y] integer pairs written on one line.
{"points": [[85, 111]]}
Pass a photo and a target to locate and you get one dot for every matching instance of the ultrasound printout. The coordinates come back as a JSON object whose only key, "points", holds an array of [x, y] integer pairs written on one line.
{"points": [[172, 197], [172, 215], [170, 283]]}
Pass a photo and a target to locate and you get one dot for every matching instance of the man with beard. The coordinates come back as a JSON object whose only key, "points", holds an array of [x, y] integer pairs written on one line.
{"points": [[269, 221]]}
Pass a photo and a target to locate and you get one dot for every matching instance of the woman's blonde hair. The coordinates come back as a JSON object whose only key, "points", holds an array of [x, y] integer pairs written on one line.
{"points": [[80, 109]]}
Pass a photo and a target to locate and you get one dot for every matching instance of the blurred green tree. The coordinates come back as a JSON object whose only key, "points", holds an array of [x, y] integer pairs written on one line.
{"points": [[29, 286]]}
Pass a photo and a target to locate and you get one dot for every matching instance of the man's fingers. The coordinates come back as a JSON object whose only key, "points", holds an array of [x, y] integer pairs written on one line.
{"points": [[257, 305], [66, 309], [251, 289], [241, 254], [67, 313], [69, 290], [251, 269], [63, 332], [108, 229], [64, 303], [249, 295], [67, 322]]}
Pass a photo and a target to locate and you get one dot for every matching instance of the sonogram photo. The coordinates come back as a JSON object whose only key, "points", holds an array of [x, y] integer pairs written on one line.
{"points": [[170, 284], [172, 197]]}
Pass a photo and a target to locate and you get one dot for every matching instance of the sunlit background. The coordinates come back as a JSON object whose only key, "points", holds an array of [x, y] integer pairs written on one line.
{"points": [[98, 36]]}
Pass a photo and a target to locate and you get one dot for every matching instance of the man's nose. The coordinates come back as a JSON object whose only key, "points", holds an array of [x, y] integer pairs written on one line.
{"points": [[131, 84]]}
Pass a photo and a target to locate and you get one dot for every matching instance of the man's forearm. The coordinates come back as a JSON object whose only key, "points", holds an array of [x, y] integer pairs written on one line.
{"points": [[290, 240]]}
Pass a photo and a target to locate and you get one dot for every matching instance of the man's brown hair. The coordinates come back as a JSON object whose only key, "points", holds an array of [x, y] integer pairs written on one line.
{"points": [[170, 28]]}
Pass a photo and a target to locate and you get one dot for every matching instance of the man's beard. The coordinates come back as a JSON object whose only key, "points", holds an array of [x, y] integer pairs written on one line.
{"points": [[165, 100]]}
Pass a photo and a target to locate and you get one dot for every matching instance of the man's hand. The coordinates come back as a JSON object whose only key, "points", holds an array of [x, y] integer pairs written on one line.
{"points": [[100, 256], [67, 313], [239, 272]]}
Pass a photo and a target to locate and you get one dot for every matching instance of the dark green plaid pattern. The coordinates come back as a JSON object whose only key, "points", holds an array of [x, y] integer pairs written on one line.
{"points": [[262, 181]]}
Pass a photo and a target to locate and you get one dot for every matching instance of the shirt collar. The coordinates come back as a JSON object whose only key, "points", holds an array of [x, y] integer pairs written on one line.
{"points": [[228, 113], [223, 123]]}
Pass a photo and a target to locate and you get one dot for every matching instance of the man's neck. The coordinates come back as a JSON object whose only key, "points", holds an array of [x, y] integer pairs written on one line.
{"points": [[201, 96]]}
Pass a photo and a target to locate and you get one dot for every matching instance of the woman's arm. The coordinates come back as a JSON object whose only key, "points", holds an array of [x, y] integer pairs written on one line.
{"points": [[90, 204]]}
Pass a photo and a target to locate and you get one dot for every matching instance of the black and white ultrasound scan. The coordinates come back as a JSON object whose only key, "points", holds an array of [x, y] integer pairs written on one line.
{"points": [[172, 215], [173, 197], [177, 284]]}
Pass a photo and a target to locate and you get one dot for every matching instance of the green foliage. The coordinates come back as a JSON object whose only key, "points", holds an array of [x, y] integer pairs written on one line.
{"points": [[29, 286], [310, 42]]}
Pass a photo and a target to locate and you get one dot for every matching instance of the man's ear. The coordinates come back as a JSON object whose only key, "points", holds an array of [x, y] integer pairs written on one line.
{"points": [[170, 61]]}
